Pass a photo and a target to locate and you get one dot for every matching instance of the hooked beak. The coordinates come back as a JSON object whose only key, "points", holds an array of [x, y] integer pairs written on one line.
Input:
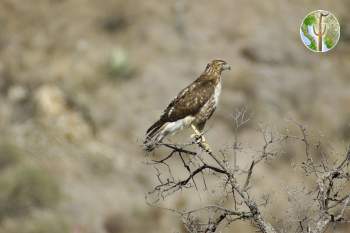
{"points": [[226, 67]]}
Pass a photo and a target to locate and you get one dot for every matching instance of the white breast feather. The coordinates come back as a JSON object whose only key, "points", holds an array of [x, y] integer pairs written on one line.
{"points": [[217, 93]]}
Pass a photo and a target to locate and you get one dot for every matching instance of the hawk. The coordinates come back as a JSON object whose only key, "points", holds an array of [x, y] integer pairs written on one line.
{"points": [[193, 106]]}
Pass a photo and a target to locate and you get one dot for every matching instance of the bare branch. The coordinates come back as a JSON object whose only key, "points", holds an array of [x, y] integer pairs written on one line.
{"points": [[328, 195]]}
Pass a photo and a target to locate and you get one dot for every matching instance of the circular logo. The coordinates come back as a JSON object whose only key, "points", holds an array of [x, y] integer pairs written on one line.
{"points": [[320, 31]]}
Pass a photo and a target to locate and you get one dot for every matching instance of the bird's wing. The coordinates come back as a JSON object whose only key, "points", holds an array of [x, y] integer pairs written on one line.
{"points": [[190, 100]]}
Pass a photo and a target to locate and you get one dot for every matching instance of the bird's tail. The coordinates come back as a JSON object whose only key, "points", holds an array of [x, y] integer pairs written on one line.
{"points": [[153, 135]]}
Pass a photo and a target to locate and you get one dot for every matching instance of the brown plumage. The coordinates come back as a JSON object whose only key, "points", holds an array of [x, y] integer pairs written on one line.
{"points": [[194, 105]]}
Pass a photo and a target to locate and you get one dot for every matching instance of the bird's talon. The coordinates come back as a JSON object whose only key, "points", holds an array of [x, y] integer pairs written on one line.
{"points": [[197, 138], [206, 146]]}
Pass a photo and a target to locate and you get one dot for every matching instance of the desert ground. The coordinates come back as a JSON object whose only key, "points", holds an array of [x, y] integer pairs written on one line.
{"points": [[82, 80]]}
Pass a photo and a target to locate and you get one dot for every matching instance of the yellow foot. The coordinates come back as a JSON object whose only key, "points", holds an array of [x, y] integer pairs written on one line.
{"points": [[196, 137], [196, 131], [200, 139], [205, 146]]}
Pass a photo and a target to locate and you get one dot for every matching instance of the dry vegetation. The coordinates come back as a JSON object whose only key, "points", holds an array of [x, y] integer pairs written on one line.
{"points": [[80, 81], [229, 190]]}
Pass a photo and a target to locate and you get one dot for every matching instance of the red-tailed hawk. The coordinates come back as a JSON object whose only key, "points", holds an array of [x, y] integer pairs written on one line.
{"points": [[193, 106]]}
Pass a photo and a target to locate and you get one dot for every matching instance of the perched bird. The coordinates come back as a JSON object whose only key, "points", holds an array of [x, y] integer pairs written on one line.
{"points": [[193, 106]]}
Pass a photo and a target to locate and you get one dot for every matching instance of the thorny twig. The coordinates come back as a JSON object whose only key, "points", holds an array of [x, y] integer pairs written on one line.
{"points": [[332, 204]]}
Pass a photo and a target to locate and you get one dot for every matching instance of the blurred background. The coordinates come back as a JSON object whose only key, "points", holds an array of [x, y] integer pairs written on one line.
{"points": [[81, 81]]}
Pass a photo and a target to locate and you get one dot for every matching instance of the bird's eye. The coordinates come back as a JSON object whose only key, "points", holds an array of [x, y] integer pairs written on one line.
{"points": [[208, 65]]}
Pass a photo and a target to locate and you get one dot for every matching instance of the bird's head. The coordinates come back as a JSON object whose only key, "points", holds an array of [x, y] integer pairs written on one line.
{"points": [[216, 67]]}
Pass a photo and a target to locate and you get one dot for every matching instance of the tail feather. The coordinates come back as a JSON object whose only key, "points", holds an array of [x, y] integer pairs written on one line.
{"points": [[156, 126], [152, 135]]}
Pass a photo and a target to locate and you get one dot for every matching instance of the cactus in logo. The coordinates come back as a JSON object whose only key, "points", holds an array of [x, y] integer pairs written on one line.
{"points": [[320, 31]]}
